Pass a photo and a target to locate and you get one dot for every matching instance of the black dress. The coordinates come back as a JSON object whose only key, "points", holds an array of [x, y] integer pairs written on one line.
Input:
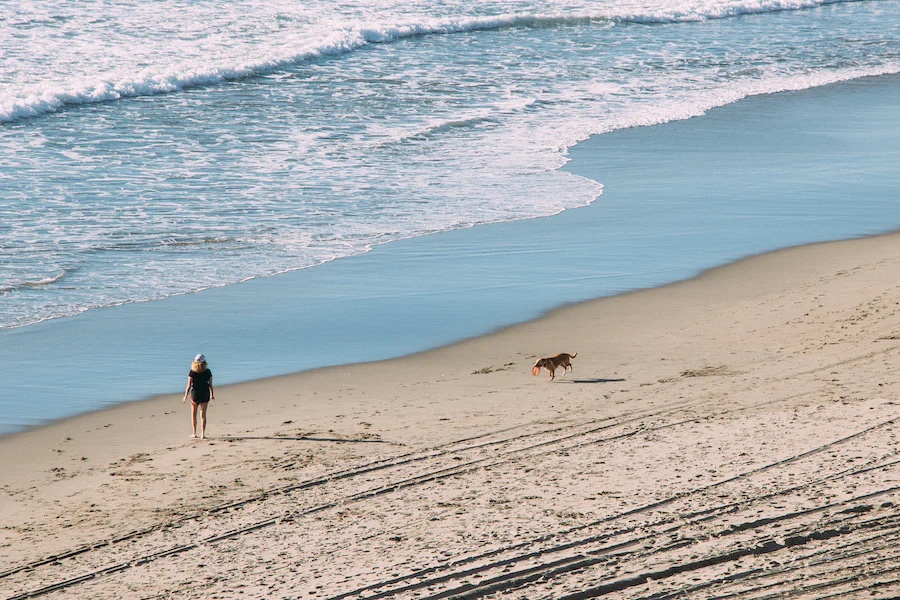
{"points": [[200, 385]]}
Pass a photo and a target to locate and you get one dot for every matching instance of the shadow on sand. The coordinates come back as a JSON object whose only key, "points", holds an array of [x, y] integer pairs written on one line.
{"points": [[597, 380]]}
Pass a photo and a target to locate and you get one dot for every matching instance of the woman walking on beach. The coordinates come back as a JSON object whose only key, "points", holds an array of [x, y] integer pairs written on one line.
{"points": [[200, 386]]}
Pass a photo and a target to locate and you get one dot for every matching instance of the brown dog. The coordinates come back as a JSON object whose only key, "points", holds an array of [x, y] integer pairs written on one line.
{"points": [[552, 363]]}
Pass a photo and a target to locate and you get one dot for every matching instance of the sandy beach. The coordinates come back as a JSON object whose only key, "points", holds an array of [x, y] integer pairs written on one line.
{"points": [[734, 435]]}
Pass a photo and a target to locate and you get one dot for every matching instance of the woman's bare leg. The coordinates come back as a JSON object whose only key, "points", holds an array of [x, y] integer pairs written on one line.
{"points": [[203, 419], [194, 406]]}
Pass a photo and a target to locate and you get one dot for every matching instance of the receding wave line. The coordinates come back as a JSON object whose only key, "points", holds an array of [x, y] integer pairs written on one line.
{"points": [[344, 41], [446, 126], [46, 281]]}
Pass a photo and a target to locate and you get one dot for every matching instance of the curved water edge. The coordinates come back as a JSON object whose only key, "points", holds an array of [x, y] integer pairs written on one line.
{"points": [[789, 181], [331, 157]]}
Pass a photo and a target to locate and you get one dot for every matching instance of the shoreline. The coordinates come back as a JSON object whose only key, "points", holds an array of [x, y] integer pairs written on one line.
{"points": [[802, 343], [136, 406], [666, 214]]}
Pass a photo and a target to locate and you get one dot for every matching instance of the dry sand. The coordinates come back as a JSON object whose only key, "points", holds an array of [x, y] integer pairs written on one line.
{"points": [[730, 436]]}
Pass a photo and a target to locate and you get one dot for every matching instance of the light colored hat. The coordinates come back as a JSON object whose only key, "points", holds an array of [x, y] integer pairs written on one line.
{"points": [[199, 358]]}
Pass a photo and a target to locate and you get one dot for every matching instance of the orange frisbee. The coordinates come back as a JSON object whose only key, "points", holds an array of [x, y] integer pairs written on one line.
{"points": [[536, 371]]}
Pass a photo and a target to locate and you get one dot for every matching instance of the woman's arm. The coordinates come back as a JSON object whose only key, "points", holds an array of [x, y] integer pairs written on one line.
{"points": [[186, 390], [212, 393]]}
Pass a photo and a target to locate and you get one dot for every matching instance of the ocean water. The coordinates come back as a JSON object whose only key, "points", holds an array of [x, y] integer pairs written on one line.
{"points": [[160, 162]]}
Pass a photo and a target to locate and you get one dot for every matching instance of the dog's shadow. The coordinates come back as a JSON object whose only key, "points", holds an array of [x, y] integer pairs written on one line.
{"points": [[596, 380]]}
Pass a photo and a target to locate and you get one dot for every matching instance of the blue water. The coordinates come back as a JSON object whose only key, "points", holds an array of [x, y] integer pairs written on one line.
{"points": [[159, 161]]}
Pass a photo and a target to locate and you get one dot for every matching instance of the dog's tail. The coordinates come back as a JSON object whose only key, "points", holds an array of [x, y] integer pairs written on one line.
{"points": [[573, 355]]}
